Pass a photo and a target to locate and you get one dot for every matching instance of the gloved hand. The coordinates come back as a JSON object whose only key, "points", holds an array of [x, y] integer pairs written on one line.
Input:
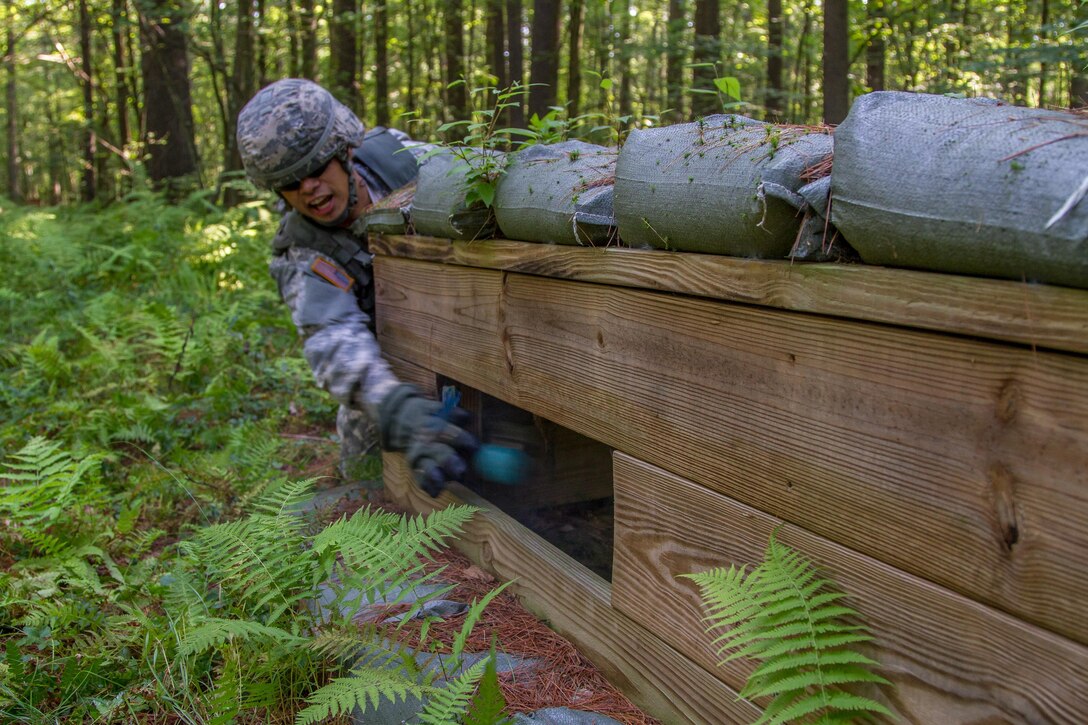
{"points": [[437, 448]]}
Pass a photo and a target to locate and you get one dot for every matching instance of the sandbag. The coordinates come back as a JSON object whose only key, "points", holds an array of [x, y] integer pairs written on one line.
{"points": [[723, 185], [439, 208], [560, 193], [390, 214], [970, 186]]}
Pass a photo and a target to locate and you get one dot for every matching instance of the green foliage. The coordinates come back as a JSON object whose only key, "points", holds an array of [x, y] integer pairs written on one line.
{"points": [[148, 373], [790, 619]]}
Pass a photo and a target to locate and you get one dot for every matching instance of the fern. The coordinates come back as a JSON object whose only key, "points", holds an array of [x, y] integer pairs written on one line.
{"points": [[212, 632], [450, 703], [785, 615], [488, 704], [39, 483], [366, 687]]}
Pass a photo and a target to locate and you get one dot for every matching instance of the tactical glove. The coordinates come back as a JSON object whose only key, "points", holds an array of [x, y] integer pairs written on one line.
{"points": [[436, 447]]}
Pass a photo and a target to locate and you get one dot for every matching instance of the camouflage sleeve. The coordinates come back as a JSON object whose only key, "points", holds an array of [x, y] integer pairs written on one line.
{"points": [[338, 345]]}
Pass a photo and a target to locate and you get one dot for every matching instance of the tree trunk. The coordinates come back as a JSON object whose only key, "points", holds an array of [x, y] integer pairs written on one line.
{"points": [[294, 41], [517, 59], [12, 107], [674, 67], [623, 52], [706, 57], [164, 64], [308, 31], [381, 64], [240, 89], [90, 138], [836, 61], [343, 52], [1044, 34], [262, 48], [775, 94], [410, 49], [496, 43], [120, 71], [456, 95], [544, 61], [574, 59], [1078, 74], [874, 52]]}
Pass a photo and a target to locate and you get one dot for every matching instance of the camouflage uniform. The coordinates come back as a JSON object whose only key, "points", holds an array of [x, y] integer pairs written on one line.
{"points": [[332, 309]]}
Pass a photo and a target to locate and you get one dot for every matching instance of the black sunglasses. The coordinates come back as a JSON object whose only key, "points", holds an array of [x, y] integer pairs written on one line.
{"points": [[294, 185]]}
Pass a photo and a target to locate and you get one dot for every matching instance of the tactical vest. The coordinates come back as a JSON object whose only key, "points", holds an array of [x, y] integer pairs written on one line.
{"points": [[392, 170]]}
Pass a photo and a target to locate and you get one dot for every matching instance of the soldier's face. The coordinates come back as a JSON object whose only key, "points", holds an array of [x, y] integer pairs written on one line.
{"points": [[324, 196]]}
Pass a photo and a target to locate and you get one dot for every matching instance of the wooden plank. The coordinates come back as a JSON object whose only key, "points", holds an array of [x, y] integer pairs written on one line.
{"points": [[409, 372], [961, 461], [575, 602], [1036, 315], [949, 658]]}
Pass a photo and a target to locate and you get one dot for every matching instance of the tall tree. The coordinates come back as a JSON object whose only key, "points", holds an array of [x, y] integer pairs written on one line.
{"points": [[308, 32], [14, 189], [344, 51], [515, 47], [623, 51], [90, 138], [164, 65], [574, 58], [496, 42], [875, 50], [706, 57], [381, 63], [240, 88], [836, 61], [674, 68], [544, 61], [775, 88], [1078, 77], [119, 28], [456, 92]]}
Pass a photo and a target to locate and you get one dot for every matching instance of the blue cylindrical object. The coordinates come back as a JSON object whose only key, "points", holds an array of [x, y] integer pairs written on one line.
{"points": [[501, 464]]}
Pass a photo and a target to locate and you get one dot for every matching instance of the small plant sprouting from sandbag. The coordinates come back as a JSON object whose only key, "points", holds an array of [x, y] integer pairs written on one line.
{"points": [[792, 620]]}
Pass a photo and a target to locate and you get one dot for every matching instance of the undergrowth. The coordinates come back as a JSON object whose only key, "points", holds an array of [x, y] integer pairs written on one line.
{"points": [[155, 411]]}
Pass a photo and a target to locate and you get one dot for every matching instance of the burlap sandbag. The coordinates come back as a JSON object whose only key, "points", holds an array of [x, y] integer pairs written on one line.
{"points": [[390, 214], [439, 209], [722, 185], [560, 194], [964, 185]]}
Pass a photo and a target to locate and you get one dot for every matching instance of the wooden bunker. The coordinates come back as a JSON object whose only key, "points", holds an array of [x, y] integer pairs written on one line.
{"points": [[923, 437]]}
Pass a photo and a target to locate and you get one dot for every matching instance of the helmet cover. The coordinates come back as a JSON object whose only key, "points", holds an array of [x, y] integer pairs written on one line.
{"points": [[290, 129]]}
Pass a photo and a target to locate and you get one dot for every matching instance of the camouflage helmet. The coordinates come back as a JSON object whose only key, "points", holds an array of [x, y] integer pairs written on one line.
{"points": [[290, 129]]}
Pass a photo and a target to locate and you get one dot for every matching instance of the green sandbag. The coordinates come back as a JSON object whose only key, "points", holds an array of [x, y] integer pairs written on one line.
{"points": [[722, 185], [439, 208], [970, 186], [559, 194], [389, 215]]}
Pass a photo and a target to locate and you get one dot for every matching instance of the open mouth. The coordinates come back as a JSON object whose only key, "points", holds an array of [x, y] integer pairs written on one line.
{"points": [[322, 204]]}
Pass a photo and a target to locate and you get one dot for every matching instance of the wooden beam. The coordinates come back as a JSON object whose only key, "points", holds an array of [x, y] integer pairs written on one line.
{"points": [[960, 461], [949, 658], [409, 372], [1042, 316], [575, 602]]}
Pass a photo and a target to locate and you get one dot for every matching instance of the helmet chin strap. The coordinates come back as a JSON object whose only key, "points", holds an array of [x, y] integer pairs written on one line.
{"points": [[353, 193]]}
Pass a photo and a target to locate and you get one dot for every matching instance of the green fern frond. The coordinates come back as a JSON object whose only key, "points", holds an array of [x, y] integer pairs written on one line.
{"points": [[786, 615], [365, 687], [450, 703], [472, 617], [38, 483], [213, 632], [489, 704]]}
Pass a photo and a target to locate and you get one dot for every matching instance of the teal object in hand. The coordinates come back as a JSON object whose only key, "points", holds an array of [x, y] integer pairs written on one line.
{"points": [[500, 464]]}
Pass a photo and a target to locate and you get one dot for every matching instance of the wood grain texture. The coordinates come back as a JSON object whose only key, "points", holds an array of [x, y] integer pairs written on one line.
{"points": [[960, 461], [950, 659], [1036, 315], [575, 602], [418, 376]]}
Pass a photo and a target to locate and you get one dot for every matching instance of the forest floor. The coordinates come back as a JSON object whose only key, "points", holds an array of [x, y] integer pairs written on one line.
{"points": [[563, 678]]}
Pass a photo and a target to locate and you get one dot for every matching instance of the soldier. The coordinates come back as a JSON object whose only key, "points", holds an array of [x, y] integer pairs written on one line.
{"points": [[299, 141]]}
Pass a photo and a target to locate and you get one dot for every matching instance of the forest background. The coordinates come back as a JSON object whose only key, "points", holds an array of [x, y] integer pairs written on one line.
{"points": [[101, 94]]}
